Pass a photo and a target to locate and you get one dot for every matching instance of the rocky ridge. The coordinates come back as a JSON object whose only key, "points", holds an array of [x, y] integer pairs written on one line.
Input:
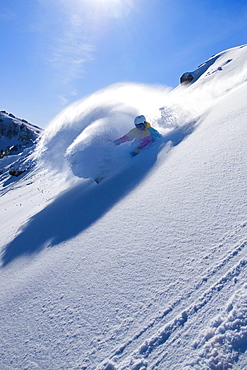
{"points": [[18, 138]]}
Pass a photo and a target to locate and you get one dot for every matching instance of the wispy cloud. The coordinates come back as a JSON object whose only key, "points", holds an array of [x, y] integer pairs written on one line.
{"points": [[71, 43], [75, 28], [71, 50]]}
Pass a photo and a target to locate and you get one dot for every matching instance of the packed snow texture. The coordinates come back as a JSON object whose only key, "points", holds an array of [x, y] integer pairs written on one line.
{"points": [[146, 270], [225, 338]]}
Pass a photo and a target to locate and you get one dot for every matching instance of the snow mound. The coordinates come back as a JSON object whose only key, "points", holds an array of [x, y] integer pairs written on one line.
{"points": [[92, 154]]}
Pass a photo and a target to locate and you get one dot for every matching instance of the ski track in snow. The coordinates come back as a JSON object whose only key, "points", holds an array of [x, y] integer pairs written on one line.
{"points": [[160, 335]]}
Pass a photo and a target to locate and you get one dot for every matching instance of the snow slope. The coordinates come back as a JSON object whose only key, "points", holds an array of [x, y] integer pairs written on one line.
{"points": [[146, 270]]}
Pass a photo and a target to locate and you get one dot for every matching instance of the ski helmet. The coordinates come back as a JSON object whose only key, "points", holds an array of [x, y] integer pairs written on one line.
{"points": [[140, 119]]}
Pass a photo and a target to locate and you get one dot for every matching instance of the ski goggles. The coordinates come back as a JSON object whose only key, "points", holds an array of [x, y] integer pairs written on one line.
{"points": [[140, 126]]}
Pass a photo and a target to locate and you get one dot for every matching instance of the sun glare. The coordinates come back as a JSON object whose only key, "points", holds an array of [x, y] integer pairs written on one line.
{"points": [[115, 8], [109, 1]]}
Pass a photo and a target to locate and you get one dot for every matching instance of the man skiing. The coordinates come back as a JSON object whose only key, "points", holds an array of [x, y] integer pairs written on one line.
{"points": [[142, 133]]}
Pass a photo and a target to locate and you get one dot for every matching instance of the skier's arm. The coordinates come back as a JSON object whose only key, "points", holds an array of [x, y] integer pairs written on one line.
{"points": [[121, 140], [127, 137]]}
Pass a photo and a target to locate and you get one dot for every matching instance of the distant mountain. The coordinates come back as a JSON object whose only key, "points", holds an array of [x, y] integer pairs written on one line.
{"points": [[16, 134], [17, 140]]}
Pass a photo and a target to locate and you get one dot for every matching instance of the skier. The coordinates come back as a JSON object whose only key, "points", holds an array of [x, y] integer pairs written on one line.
{"points": [[142, 133]]}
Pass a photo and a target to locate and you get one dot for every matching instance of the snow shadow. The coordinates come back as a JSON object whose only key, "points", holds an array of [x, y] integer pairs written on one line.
{"points": [[78, 208], [179, 134]]}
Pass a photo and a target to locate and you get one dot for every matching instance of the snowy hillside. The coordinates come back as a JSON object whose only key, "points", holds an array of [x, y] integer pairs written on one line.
{"points": [[16, 133], [146, 270], [17, 141]]}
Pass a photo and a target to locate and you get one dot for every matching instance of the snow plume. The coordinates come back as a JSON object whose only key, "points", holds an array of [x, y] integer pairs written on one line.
{"points": [[81, 135]]}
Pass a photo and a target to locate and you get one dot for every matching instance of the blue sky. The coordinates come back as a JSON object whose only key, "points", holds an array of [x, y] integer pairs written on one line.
{"points": [[54, 52]]}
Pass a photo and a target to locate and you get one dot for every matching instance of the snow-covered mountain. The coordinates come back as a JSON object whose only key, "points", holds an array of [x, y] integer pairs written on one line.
{"points": [[146, 270], [16, 133], [18, 138]]}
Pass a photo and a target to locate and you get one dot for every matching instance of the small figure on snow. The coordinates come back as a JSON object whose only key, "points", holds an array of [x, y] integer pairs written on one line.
{"points": [[142, 133]]}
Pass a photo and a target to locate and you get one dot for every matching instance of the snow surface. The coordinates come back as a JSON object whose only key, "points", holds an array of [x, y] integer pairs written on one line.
{"points": [[146, 270]]}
